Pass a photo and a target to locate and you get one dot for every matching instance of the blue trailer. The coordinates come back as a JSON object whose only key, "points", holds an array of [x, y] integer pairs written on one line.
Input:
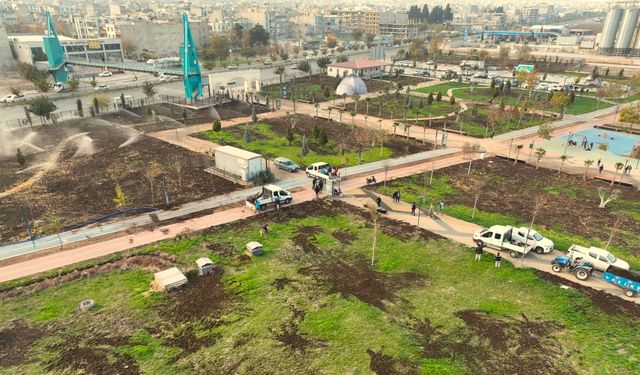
{"points": [[627, 280]]}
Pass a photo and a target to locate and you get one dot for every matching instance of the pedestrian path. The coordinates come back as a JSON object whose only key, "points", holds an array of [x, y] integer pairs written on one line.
{"points": [[462, 232]]}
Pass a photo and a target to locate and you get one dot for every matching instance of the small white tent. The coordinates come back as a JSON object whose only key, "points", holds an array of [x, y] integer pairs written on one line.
{"points": [[350, 85]]}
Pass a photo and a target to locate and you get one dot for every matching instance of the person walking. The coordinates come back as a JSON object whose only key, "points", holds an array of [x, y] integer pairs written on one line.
{"points": [[441, 207], [398, 196], [258, 207], [600, 168], [413, 209], [479, 249], [276, 201], [498, 259], [379, 202], [599, 162], [317, 190]]}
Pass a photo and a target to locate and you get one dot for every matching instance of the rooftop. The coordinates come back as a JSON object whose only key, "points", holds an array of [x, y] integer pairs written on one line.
{"points": [[238, 152], [359, 64]]}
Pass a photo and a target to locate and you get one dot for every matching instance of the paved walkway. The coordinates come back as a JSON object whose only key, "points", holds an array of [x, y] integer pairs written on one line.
{"points": [[462, 232]]}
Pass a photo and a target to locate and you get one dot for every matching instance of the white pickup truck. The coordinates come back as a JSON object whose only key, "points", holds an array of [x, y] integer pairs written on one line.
{"points": [[270, 195], [501, 237]]}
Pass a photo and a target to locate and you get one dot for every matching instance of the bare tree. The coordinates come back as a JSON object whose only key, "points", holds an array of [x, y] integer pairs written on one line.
{"points": [[614, 230], [587, 164], [469, 150], [477, 191], [386, 170], [538, 204], [607, 195], [151, 171], [54, 225], [374, 216], [618, 167], [178, 167], [563, 158], [518, 148]]}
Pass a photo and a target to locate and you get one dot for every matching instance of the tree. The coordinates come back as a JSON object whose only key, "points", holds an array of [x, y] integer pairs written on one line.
{"points": [[289, 136], [560, 101], [356, 35], [217, 126], [323, 140], [504, 55], [235, 35], [152, 171], [102, 101], [607, 195], [439, 97], [342, 58], [254, 116], [563, 158], [332, 41], [518, 148], [79, 107], [483, 55], [217, 48], [544, 131], [247, 137], [618, 166], [93, 82], [304, 66], [121, 198], [279, 70], [323, 62], [20, 158], [96, 106], [434, 45], [73, 84], [469, 150], [53, 225], [587, 164], [630, 115], [373, 210], [43, 85], [148, 89], [523, 53], [621, 73], [452, 100], [477, 190], [258, 36], [304, 147], [41, 106], [27, 114], [14, 90], [540, 152]]}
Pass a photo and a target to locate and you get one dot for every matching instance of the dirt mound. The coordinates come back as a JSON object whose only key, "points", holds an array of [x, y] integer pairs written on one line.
{"points": [[304, 238], [383, 364], [606, 302], [357, 279], [345, 237], [236, 108], [153, 262], [202, 297], [92, 360], [15, 343], [497, 345], [221, 249]]}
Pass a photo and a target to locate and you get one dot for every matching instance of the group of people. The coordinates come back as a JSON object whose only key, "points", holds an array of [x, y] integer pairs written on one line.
{"points": [[396, 196], [318, 185], [497, 258], [585, 144]]}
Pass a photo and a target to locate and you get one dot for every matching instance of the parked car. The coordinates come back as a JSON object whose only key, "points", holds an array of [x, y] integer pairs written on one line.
{"points": [[286, 164], [231, 82], [540, 243], [14, 98], [269, 195], [501, 238], [232, 67], [106, 73], [268, 62], [294, 67], [600, 258], [318, 167], [166, 78], [102, 87], [4, 98]]}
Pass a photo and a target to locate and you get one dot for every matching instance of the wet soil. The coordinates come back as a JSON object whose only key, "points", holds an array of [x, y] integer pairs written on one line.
{"points": [[15, 342], [497, 345], [202, 297], [83, 187], [606, 302], [383, 364]]}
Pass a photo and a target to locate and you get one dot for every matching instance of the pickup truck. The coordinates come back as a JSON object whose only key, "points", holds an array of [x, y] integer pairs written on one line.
{"points": [[541, 244], [269, 195], [501, 237]]}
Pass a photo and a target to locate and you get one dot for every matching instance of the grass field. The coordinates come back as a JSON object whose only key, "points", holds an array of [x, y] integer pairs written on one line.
{"points": [[342, 149], [570, 214], [476, 126], [393, 106], [442, 88], [314, 304]]}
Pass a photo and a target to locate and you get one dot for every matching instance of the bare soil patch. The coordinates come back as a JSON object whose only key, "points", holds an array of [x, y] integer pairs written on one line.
{"points": [[81, 186], [93, 360], [281, 283], [202, 297], [358, 279], [186, 340], [345, 237], [384, 364], [221, 249], [15, 342], [606, 302], [304, 238]]}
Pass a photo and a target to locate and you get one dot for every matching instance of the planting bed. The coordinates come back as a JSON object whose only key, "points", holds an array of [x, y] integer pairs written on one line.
{"points": [[74, 176], [226, 111], [269, 139], [394, 106], [314, 303], [570, 213]]}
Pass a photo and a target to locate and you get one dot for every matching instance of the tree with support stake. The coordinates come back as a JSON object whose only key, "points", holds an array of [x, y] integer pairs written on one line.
{"points": [[54, 226]]}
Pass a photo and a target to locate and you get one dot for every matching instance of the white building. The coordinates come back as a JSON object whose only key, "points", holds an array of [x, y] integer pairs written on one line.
{"points": [[6, 57], [30, 48], [159, 36], [361, 68], [238, 163]]}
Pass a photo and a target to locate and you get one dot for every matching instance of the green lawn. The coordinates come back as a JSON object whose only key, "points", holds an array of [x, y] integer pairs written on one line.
{"points": [[476, 126], [442, 88], [271, 144], [584, 104], [289, 315]]}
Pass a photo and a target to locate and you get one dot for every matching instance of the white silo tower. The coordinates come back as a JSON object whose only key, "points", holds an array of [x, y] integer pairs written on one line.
{"points": [[611, 25], [629, 21]]}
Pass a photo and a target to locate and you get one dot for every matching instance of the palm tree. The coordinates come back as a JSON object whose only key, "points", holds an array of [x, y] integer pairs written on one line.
{"points": [[317, 105], [518, 148], [618, 166], [563, 158], [356, 98], [395, 126], [587, 164], [341, 111], [329, 110], [540, 152], [353, 119]]}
